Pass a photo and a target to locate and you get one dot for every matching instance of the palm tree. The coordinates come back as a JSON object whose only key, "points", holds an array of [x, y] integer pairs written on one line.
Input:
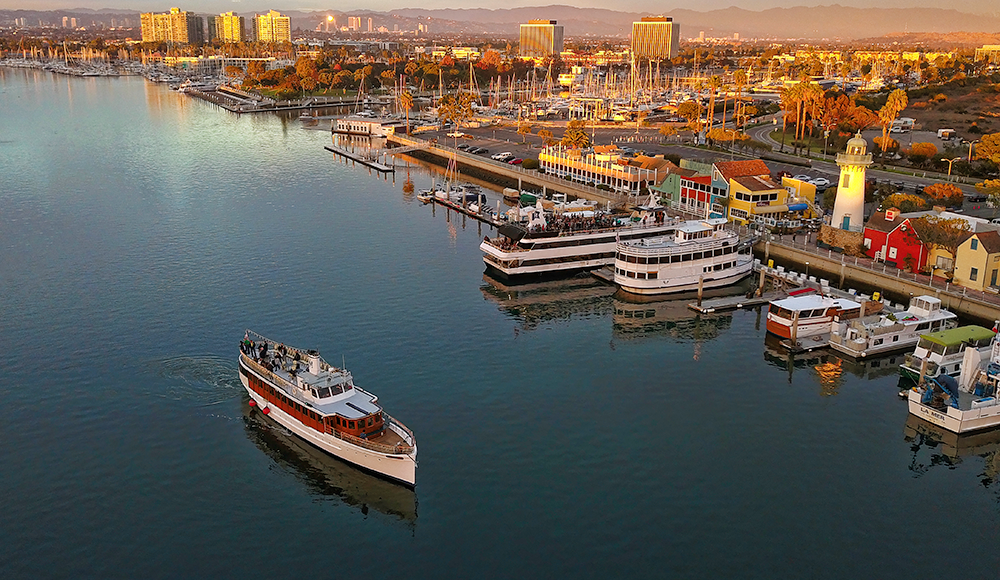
{"points": [[894, 105], [740, 80], [790, 98], [406, 101], [713, 83]]}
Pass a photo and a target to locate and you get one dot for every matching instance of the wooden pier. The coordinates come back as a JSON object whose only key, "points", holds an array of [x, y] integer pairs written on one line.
{"points": [[734, 302], [362, 160], [464, 210]]}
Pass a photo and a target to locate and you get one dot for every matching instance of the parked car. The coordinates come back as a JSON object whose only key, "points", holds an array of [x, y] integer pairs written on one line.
{"points": [[505, 156], [821, 182], [516, 161], [802, 177], [465, 146], [474, 150], [482, 151]]}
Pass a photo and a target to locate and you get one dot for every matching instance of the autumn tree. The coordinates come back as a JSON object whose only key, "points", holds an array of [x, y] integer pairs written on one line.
{"points": [[905, 202], [991, 189], [920, 153], [946, 194], [546, 136], [668, 131], [938, 233], [989, 148], [456, 108], [691, 111], [886, 144], [523, 130]]}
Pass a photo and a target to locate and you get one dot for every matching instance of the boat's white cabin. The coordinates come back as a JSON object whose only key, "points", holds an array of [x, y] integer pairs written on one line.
{"points": [[924, 305]]}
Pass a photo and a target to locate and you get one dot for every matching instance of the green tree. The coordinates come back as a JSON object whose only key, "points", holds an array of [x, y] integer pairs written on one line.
{"points": [[940, 233], [546, 136], [905, 202], [691, 111], [668, 131], [456, 108]]}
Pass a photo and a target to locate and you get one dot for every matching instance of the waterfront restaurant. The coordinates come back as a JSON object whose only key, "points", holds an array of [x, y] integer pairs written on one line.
{"points": [[604, 166]]}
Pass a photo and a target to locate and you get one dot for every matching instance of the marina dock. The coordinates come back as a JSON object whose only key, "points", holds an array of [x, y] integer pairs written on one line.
{"points": [[360, 159], [735, 302]]}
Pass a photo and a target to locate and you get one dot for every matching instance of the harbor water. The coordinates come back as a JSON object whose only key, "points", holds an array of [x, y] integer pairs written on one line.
{"points": [[563, 432]]}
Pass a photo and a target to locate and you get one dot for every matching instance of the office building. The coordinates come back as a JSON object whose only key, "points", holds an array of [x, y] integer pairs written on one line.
{"points": [[272, 27], [541, 38], [655, 38], [175, 26], [230, 28]]}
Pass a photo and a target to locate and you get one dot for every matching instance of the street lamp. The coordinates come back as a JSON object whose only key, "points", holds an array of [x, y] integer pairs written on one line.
{"points": [[970, 149], [826, 138], [950, 161], [807, 269]]}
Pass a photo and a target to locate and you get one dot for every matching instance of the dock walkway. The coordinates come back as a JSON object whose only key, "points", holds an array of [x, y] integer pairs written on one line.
{"points": [[360, 159]]}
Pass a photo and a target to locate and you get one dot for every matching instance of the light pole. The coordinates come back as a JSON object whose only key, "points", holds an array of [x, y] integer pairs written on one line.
{"points": [[950, 161], [970, 149], [807, 269], [826, 138]]}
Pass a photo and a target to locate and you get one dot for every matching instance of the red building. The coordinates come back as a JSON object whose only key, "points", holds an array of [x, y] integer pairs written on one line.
{"points": [[891, 238], [696, 191]]}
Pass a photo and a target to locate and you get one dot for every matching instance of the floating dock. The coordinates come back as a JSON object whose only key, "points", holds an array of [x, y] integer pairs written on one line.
{"points": [[362, 160], [464, 210], [734, 302]]}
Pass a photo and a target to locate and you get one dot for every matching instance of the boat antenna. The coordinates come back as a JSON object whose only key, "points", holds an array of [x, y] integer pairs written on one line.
{"points": [[343, 362]]}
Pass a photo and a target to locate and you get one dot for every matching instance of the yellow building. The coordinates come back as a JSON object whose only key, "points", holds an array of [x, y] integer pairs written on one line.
{"points": [[175, 26], [759, 198], [978, 260], [230, 28], [655, 38], [541, 38], [272, 27]]}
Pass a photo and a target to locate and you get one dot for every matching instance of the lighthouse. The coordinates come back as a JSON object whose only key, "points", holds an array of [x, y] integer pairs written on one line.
{"points": [[849, 209]]}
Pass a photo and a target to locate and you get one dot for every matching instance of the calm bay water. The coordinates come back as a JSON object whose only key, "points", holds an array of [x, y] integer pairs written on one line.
{"points": [[563, 432]]}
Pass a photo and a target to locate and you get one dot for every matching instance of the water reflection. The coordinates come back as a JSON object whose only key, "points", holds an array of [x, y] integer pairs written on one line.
{"points": [[638, 317], [326, 475], [535, 303], [829, 366], [932, 446]]}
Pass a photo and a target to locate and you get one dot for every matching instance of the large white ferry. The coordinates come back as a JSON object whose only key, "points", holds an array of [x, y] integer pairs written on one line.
{"points": [[566, 243], [889, 331], [320, 403], [698, 252]]}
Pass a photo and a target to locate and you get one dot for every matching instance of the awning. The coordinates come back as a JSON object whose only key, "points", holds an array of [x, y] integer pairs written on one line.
{"points": [[513, 232], [765, 209]]}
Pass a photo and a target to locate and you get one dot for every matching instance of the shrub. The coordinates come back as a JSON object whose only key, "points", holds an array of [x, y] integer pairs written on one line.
{"points": [[530, 164]]}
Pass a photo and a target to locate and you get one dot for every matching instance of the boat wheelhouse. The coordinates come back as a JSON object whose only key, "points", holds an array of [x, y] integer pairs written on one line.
{"points": [[321, 404], [810, 314], [565, 243], [889, 331], [698, 253], [941, 352]]}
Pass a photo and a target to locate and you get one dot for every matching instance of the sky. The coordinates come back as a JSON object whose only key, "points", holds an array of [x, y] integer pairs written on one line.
{"points": [[657, 6]]}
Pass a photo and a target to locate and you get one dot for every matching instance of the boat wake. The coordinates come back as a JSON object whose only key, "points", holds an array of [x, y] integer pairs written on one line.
{"points": [[203, 380]]}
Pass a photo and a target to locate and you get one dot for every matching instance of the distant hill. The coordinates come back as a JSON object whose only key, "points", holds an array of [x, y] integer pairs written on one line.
{"points": [[819, 22]]}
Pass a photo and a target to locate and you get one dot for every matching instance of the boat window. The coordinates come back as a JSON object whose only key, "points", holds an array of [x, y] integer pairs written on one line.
{"points": [[877, 342], [923, 326], [324, 392], [350, 424], [895, 338], [370, 421], [338, 420]]}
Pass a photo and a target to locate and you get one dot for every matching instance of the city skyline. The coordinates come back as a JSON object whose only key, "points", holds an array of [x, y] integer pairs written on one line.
{"points": [[987, 7]]}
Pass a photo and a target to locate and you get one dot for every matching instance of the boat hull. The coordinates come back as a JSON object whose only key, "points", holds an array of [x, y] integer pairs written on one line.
{"points": [[954, 420], [400, 468], [738, 273]]}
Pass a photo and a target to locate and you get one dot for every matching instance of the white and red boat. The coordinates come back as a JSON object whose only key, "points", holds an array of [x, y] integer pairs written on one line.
{"points": [[321, 404], [807, 314]]}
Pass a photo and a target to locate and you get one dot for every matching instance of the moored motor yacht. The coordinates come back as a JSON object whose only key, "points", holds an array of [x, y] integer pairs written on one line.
{"points": [[889, 331]]}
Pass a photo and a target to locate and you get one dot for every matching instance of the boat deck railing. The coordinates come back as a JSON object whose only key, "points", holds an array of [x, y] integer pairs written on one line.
{"points": [[391, 423]]}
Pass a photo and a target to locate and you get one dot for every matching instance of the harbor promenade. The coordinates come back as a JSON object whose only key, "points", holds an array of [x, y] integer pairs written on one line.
{"points": [[802, 254], [514, 174]]}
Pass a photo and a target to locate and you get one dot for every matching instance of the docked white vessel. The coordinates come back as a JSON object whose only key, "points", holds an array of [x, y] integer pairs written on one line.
{"points": [[942, 352], [967, 404], [889, 331], [811, 314], [563, 243], [320, 403], [697, 253]]}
